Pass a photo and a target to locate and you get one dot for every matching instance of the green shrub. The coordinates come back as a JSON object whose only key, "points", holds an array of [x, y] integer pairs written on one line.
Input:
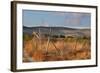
{"points": [[27, 37]]}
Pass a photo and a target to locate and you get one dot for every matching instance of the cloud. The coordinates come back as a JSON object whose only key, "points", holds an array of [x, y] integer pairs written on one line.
{"points": [[72, 21], [59, 13], [74, 18], [45, 24]]}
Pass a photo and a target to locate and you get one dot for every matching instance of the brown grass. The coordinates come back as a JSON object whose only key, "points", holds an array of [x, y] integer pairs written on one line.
{"points": [[61, 49]]}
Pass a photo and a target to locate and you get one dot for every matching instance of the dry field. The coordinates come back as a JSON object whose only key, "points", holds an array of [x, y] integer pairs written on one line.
{"points": [[56, 49]]}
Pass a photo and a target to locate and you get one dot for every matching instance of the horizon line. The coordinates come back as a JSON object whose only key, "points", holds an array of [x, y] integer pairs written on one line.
{"points": [[61, 26]]}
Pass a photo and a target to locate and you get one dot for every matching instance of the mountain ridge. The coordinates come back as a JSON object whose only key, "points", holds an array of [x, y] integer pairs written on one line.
{"points": [[57, 31]]}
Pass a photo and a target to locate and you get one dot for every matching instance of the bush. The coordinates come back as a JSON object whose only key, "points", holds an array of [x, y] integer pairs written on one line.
{"points": [[27, 37], [62, 36]]}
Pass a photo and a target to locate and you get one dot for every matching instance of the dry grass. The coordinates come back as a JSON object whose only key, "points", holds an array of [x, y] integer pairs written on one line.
{"points": [[61, 49]]}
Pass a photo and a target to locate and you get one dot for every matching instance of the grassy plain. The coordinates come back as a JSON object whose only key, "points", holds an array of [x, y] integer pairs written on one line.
{"points": [[55, 49]]}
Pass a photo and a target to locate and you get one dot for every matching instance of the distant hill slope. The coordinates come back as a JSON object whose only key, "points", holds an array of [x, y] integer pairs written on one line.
{"points": [[57, 31]]}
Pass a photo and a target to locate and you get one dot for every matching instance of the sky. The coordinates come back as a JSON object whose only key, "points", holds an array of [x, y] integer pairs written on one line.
{"points": [[33, 18]]}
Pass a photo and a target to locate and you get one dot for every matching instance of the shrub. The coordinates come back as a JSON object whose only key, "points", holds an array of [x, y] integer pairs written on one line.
{"points": [[27, 37]]}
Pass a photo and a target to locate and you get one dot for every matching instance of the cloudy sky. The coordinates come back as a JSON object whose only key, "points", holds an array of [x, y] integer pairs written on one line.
{"points": [[32, 18]]}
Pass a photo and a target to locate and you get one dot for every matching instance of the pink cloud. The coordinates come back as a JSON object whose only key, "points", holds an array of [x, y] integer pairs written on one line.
{"points": [[45, 24], [74, 19]]}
